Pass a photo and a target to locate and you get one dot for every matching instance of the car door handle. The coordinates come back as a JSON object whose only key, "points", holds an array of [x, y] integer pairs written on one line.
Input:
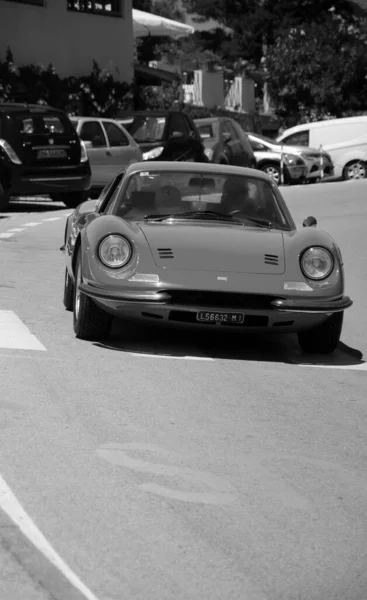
{"points": [[108, 153]]}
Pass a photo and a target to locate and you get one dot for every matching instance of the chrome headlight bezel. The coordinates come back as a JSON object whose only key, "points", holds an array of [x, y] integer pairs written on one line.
{"points": [[328, 255], [121, 239]]}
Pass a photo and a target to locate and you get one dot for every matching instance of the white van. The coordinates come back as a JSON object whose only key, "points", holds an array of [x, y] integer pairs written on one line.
{"points": [[345, 140]]}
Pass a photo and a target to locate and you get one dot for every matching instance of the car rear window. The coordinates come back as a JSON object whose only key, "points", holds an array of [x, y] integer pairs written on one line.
{"points": [[28, 124]]}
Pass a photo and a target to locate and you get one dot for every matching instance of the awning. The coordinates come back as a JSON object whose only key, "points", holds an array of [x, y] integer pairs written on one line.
{"points": [[145, 24]]}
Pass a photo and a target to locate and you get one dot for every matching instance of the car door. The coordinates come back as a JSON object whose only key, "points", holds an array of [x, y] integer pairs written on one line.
{"points": [[93, 135], [179, 145], [233, 148], [123, 151]]}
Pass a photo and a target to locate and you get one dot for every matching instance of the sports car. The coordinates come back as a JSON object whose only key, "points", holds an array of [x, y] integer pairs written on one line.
{"points": [[203, 246]]}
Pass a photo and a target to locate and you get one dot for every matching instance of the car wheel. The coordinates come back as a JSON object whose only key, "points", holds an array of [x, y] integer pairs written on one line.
{"points": [[73, 199], [272, 171], [4, 198], [324, 338], [68, 291], [356, 169], [90, 322]]}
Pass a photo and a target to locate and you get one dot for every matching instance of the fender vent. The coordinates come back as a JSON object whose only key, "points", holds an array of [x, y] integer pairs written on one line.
{"points": [[271, 259], [165, 253]]}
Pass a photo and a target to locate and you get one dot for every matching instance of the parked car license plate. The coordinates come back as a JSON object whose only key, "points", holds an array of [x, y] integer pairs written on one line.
{"points": [[51, 153], [220, 317]]}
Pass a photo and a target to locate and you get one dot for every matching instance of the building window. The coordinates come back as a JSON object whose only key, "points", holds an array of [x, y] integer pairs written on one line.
{"points": [[36, 2], [110, 8]]}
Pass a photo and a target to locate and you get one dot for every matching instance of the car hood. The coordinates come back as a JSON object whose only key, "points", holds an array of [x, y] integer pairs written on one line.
{"points": [[306, 150], [212, 247]]}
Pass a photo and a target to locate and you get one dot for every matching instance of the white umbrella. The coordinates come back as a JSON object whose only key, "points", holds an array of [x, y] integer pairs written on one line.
{"points": [[145, 24]]}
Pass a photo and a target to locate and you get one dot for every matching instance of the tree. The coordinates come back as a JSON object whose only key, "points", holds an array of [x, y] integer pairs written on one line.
{"points": [[256, 23], [320, 68]]}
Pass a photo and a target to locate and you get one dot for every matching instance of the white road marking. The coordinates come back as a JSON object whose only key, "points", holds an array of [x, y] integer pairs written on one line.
{"points": [[12, 507], [52, 219], [6, 235], [14, 334], [16, 229], [32, 224], [172, 357]]}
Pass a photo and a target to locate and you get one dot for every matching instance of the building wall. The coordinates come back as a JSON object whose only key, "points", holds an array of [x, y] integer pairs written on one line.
{"points": [[69, 40]]}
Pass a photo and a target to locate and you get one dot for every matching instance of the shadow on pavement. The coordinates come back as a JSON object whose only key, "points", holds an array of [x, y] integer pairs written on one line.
{"points": [[173, 342]]}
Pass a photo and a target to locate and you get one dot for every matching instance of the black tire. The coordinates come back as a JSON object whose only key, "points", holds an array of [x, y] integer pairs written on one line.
{"points": [[68, 292], [273, 170], [89, 321], [324, 338], [356, 169], [4, 198], [72, 199]]}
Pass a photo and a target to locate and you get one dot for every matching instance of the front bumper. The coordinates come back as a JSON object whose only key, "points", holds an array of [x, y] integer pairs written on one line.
{"points": [[164, 299], [296, 172]]}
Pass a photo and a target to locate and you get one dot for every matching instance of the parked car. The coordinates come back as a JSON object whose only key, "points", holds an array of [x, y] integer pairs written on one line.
{"points": [[294, 167], [311, 157], [165, 135], [41, 154], [197, 246], [344, 140], [109, 146], [225, 142]]}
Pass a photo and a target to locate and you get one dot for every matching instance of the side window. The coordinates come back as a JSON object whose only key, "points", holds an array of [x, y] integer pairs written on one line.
{"points": [[91, 131], [115, 135], [178, 123], [108, 193], [297, 139]]}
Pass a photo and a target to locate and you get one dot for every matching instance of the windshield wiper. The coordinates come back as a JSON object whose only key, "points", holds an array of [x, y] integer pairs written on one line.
{"points": [[194, 215], [260, 222]]}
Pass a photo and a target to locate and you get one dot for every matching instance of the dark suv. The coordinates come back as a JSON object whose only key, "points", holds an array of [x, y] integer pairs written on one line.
{"points": [[165, 135], [41, 153]]}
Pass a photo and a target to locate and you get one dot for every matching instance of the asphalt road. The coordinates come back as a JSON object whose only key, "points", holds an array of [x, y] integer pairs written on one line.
{"points": [[162, 466]]}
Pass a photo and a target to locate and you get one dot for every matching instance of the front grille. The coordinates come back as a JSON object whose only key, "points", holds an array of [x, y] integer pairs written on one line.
{"points": [[271, 259], [165, 253], [220, 299]]}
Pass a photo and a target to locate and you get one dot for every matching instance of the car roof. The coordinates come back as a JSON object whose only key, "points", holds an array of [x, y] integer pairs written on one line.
{"points": [[148, 113], [23, 107], [196, 167], [209, 120], [77, 118]]}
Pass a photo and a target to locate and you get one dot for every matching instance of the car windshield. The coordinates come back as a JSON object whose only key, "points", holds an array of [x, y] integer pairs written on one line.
{"points": [[161, 195], [145, 128], [265, 139]]}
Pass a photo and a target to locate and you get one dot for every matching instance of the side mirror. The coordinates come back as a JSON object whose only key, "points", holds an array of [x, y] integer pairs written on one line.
{"points": [[226, 137], [309, 222]]}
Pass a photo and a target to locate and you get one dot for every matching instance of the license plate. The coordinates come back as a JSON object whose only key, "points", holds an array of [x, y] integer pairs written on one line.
{"points": [[51, 153], [220, 317]]}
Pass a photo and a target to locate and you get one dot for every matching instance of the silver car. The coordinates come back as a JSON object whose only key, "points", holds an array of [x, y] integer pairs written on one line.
{"points": [[109, 146], [311, 156]]}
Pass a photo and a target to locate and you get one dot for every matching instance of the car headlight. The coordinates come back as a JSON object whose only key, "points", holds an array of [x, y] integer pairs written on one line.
{"points": [[153, 153], [291, 159], [83, 152], [115, 251], [209, 153], [317, 263]]}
